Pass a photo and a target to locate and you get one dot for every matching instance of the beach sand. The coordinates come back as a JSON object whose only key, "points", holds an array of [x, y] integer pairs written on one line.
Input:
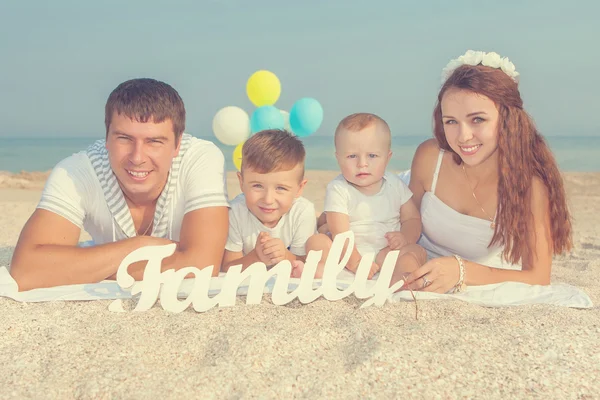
{"points": [[323, 349]]}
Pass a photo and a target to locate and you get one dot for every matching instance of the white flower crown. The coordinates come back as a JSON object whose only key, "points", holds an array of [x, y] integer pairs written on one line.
{"points": [[481, 57]]}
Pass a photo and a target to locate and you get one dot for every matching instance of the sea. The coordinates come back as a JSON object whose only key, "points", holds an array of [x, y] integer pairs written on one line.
{"points": [[573, 153]]}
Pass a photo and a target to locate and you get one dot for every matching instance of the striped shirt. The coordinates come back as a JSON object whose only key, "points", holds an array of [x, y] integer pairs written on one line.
{"points": [[83, 189]]}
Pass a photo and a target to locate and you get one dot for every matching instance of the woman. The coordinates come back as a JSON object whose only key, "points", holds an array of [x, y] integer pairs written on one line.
{"points": [[491, 196]]}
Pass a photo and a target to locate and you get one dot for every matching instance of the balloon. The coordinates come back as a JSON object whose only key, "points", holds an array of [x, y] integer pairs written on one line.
{"points": [[306, 116], [266, 117], [231, 125], [237, 156], [263, 88], [286, 120]]}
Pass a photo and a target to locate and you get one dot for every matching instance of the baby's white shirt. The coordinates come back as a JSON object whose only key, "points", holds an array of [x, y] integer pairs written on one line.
{"points": [[371, 216]]}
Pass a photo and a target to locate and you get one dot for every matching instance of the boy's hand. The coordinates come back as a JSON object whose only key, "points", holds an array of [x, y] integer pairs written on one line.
{"points": [[259, 248], [396, 240], [273, 249]]}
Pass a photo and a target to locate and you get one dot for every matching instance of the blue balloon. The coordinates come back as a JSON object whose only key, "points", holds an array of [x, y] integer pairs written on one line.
{"points": [[266, 117], [306, 116]]}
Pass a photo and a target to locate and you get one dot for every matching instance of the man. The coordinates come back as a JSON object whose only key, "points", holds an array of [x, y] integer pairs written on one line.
{"points": [[147, 184]]}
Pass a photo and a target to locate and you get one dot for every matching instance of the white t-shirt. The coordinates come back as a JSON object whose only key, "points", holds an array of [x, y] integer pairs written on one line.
{"points": [[371, 217], [75, 191], [294, 228]]}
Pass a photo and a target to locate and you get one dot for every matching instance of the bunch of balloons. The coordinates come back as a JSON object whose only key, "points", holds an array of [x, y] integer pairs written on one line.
{"points": [[232, 125]]}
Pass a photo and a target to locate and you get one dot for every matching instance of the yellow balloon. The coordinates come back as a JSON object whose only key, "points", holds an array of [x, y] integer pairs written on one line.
{"points": [[237, 156], [263, 88]]}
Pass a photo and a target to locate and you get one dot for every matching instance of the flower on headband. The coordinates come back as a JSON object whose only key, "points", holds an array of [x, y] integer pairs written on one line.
{"points": [[509, 68], [472, 57], [492, 59]]}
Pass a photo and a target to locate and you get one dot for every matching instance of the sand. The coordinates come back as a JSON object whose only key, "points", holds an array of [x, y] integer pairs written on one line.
{"points": [[320, 350]]}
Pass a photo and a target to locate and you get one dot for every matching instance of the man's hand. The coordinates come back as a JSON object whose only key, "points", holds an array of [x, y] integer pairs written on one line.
{"points": [[396, 240]]}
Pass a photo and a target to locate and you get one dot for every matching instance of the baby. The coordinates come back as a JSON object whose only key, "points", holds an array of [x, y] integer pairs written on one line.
{"points": [[374, 204], [270, 221]]}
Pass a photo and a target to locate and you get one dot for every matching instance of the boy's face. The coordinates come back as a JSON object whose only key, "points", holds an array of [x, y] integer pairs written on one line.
{"points": [[270, 196], [363, 157]]}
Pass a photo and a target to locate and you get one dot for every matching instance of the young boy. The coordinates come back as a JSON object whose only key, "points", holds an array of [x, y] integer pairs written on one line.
{"points": [[270, 221], [374, 204]]}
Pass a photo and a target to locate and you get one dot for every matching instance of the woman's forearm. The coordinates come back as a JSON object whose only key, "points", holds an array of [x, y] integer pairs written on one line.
{"points": [[478, 274]]}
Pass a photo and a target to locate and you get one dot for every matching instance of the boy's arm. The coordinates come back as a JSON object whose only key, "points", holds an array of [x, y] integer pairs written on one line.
{"points": [[232, 258], [234, 246], [305, 226]]}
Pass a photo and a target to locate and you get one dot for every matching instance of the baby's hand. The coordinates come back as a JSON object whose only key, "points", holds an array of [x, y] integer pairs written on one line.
{"points": [[374, 269], [274, 250], [396, 240]]}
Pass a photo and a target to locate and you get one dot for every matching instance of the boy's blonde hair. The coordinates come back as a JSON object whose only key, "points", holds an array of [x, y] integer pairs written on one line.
{"points": [[359, 121], [272, 150]]}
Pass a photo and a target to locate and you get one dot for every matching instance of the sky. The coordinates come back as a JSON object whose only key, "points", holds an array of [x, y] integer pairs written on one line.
{"points": [[60, 60]]}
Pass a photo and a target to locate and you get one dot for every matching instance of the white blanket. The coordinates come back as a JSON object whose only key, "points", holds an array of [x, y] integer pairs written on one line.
{"points": [[497, 295]]}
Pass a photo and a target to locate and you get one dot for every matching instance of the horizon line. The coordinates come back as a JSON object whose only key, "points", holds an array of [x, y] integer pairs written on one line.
{"points": [[305, 137]]}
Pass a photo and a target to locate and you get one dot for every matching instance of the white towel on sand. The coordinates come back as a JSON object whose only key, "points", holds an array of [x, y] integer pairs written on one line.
{"points": [[497, 295]]}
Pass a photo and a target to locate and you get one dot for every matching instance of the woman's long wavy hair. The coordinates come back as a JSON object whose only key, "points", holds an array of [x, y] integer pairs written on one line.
{"points": [[522, 154]]}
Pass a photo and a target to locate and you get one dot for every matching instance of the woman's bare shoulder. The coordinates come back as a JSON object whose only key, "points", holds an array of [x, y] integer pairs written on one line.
{"points": [[424, 161]]}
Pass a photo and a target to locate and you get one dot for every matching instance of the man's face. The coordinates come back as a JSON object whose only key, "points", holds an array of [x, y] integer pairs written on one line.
{"points": [[140, 156]]}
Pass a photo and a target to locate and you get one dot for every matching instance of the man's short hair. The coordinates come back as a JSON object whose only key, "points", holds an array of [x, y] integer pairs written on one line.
{"points": [[147, 100], [273, 150], [359, 121]]}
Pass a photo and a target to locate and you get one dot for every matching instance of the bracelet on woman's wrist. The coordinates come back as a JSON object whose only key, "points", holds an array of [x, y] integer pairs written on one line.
{"points": [[460, 285]]}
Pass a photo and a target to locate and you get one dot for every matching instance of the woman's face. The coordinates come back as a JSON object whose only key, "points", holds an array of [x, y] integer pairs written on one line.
{"points": [[470, 123]]}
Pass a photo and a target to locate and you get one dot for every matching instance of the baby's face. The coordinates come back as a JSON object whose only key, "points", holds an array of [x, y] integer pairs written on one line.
{"points": [[270, 196], [363, 157]]}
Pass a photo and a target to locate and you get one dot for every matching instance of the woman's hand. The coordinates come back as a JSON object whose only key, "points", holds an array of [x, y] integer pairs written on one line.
{"points": [[437, 275]]}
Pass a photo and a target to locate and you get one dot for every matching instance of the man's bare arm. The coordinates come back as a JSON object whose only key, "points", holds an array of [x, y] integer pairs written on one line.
{"points": [[203, 237], [201, 242], [47, 254]]}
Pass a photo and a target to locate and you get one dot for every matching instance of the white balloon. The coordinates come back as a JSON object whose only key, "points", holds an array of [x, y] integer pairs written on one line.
{"points": [[286, 120], [231, 125]]}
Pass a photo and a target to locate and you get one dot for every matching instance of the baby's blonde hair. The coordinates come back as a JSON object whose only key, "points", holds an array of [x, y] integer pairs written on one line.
{"points": [[359, 121]]}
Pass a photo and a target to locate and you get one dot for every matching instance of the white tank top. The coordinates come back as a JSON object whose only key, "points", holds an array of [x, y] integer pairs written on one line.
{"points": [[447, 232]]}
